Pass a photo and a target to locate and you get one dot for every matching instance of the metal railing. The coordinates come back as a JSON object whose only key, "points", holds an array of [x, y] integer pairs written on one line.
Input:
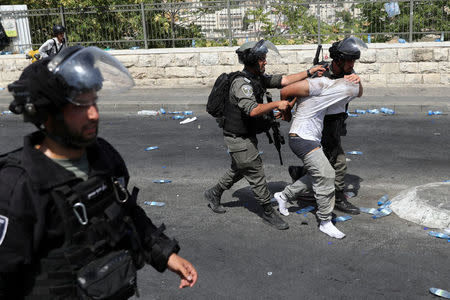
{"points": [[229, 22]]}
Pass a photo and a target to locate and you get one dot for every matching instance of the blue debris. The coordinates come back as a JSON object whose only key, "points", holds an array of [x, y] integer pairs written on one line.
{"points": [[440, 292], [439, 235], [366, 210], [154, 203], [187, 112], [151, 148], [305, 209], [382, 213], [162, 111], [387, 111], [352, 115], [360, 111], [355, 152], [342, 219], [373, 111], [178, 117], [162, 181], [383, 200], [431, 113]]}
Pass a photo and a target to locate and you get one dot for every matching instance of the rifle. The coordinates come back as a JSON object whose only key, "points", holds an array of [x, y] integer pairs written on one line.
{"points": [[316, 61], [278, 139]]}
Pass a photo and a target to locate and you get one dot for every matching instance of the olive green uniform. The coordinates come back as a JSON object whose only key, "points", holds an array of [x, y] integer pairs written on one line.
{"points": [[245, 159]]}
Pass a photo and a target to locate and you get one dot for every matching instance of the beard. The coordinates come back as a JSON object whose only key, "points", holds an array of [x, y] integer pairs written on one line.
{"points": [[71, 138]]}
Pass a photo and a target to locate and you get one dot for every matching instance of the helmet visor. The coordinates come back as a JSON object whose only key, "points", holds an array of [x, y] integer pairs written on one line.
{"points": [[351, 45], [263, 46], [91, 69]]}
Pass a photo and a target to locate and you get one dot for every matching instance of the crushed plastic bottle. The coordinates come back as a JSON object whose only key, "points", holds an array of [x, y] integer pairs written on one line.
{"points": [[439, 235], [342, 219], [386, 204], [387, 111], [187, 112], [367, 210], [373, 111], [148, 112], [6, 112], [162, 111], [151, 148], [382, 213], [437, 112], [383, 200], [355, 152], [352, 115], [440, 292], [162, 181], [178, 117], [305, 209], [360, 111], [154, 203]]}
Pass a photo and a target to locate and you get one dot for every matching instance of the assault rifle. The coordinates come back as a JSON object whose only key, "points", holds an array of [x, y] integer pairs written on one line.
{"points": [[316, 61], [278, 139]]}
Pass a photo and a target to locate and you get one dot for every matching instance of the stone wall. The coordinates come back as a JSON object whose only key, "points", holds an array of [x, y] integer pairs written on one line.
{"points": [[382, 64]]}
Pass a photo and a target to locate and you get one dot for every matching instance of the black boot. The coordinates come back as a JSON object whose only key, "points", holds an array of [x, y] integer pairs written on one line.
{"points": [[271, 217], [342, 204], [213, 196], [296, 172]]}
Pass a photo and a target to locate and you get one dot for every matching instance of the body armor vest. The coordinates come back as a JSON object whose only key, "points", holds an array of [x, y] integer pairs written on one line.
{"points": [[94, 215], [238, 123]]}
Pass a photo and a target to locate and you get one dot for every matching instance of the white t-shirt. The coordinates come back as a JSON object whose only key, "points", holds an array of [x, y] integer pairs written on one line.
{"points": [[310, 111], [52, 46]]}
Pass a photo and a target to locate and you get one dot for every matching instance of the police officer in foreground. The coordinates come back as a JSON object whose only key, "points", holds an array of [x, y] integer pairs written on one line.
{"points": [[245, 115], [54, 45], [344, 54], [69, 227]]}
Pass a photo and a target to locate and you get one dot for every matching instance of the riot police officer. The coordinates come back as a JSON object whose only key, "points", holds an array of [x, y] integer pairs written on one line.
{"points": [[245, 115], [54, 45], [69, 227], [344, 54]]}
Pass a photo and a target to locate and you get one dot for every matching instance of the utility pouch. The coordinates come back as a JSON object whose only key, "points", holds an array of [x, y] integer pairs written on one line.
{"points": [[110, 277]]}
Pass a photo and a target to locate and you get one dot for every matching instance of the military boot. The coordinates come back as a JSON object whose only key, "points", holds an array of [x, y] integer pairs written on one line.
{"points": [[342, 204], [296, 172], [213, 196], [271, 217]]}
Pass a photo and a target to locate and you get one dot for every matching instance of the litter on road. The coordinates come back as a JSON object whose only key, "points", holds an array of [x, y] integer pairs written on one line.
{"points": [[382, 213], [355, 152], [342, 219], [306, 209], [148, 112], [367, 210], [188, 120], [440, 292], [383, 200], [162, 181], [151, 148], [439, 235], [154, 203], [432, 113]]}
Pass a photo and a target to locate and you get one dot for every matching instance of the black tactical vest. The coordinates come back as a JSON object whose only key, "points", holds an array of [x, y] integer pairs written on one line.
{"points": [[99, 236], [238, 123]]}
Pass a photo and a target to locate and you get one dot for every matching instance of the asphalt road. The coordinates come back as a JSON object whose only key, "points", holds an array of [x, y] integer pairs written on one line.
{"points": [[238, 256]]}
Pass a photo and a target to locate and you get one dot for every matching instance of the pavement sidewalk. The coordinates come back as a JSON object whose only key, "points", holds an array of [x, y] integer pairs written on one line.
{"points": [[401, 99]]}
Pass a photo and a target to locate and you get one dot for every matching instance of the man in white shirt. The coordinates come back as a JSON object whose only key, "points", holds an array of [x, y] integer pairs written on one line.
{"points": [[54, 45], [304, 140]]}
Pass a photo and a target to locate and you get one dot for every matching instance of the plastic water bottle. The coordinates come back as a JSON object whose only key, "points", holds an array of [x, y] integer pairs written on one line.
{"points": [[193, 43], [373, 111], [387, 111], [439, 235], [187, 112], [154, 203], [342, 219], [382, 213], [369, 39], [162, 181], [360, 111], [151, 148], [178, 117], [355, 152], [439, 292], [352, 115], [366, 210], [383, 199], [162, 111]]}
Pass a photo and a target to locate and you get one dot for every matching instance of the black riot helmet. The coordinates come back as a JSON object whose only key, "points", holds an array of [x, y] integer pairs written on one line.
{"points": [[249, 53], [45, 86], [347, 49], [58, 29]]}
